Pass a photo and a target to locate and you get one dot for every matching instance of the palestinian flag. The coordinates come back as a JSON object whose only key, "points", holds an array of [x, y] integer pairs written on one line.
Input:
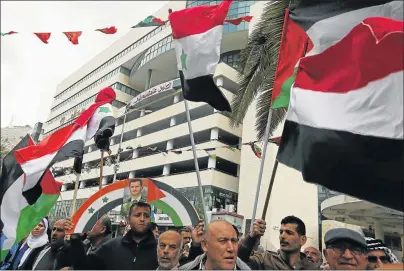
{"points": [[66, 142], [197, 33], [275, 140], [256, 149], [294, 44], [8, 33], [344, 127], [150, 21], [18, 216]]}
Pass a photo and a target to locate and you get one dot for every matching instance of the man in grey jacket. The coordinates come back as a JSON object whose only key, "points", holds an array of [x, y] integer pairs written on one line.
{"points": [[220, 246]]}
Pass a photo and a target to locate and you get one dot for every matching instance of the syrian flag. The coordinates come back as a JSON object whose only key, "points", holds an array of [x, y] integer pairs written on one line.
{"points": [[197, 33], [344, 127], [18, 216], [66, 142]]}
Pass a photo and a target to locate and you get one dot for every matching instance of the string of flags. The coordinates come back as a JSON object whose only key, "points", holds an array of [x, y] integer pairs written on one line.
{"points": [[256, 149], [73, 36]]}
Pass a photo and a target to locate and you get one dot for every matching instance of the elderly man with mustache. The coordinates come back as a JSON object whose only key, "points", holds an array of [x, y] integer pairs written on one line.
{"points": [[169, 248]]}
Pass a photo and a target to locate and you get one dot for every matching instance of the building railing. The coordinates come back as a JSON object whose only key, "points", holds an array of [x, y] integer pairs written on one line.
{"points": [[130, 158]]}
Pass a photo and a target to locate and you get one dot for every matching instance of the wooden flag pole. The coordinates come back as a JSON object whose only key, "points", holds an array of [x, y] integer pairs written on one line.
{"points": [[198, 176], [76, 188], [77, 166], [101, 168], [271, 184], [264, 152]]}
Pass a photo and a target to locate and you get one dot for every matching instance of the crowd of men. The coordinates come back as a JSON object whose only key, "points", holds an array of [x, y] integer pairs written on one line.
{"points": [[214, 247]]}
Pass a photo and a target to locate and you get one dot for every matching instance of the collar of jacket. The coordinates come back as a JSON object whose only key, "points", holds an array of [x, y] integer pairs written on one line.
{"points": [[150, 240], [304, 262], [93, 248]]}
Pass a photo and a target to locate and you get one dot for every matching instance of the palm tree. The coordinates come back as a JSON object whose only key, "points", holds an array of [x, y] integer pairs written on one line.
{"points": [[257, 68]]}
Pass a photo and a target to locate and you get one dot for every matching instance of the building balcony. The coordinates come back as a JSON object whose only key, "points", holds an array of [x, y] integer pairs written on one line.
{"points": [[362, 213]]}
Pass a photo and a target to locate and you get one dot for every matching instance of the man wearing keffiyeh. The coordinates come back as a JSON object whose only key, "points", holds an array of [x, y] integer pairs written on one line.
{"points": [[378, 254]]}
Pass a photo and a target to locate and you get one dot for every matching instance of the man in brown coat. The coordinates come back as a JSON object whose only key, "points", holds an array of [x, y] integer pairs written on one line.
{"points": [[292, 237]]}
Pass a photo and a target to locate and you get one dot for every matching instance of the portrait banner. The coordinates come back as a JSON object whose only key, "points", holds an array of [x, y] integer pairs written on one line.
{"points": [[123, 193]]}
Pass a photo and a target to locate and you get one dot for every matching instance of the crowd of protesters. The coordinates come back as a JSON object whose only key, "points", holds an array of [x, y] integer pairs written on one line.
{"points": [[214, 247]]}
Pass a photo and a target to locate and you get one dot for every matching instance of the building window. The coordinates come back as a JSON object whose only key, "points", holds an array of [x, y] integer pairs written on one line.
{"points": [[158, 48], [393, 242], [231, 58]]}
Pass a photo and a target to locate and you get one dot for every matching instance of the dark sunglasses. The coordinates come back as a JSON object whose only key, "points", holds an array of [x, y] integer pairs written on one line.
{"points": [[58, 229], [373, 259]]}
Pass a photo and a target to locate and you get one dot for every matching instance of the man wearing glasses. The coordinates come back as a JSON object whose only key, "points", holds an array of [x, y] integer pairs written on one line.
{"points": [[345, 250], [378, 254]]}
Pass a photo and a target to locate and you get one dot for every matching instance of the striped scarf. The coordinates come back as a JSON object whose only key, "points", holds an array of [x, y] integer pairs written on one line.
{"points": [[377, 244]]}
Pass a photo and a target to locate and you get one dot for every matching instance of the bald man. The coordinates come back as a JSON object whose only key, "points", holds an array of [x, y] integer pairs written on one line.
{"points": [[169, 249], [220, 246]]}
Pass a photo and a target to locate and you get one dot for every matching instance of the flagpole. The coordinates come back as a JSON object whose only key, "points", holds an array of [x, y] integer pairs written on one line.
{"points": [[271, 184], [76, 188], [198, 176], [120, 144], [101, 168], [77, 166], [264, 152]]}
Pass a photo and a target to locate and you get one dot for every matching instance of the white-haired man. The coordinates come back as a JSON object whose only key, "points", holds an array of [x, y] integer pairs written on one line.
{"points": [[169, 248]]}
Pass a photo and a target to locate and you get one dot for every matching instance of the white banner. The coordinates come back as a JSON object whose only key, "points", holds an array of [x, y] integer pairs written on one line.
{"points": [[151, 92]]}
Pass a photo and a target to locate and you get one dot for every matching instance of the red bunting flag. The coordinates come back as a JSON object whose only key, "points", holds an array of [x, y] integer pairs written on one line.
{"points": [[44, 37], [8, 33], [108, 30], [238, 21], [73, 36]]}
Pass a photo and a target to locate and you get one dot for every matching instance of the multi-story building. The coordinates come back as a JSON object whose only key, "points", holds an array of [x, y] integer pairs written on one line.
{"points": [[135, 65]]}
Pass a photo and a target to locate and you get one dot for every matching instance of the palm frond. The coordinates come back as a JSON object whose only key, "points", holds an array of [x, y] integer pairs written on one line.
{"points": [[257, 69]]}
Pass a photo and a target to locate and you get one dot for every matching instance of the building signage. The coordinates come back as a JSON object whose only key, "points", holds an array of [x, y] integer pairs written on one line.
{"points": [[153, 91], [163, 219]]}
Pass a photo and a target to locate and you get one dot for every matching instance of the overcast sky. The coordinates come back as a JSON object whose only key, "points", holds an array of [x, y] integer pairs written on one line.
{"points": [[30, 69]]}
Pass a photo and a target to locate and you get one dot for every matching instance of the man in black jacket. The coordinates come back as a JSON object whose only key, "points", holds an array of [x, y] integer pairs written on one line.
{"points": [[52, 257], [137, 250]]}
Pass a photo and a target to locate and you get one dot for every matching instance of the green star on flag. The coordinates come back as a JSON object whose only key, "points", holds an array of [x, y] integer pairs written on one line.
{"points": [[91, 210], [105, 199], [184, 60], [104, 109]]}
